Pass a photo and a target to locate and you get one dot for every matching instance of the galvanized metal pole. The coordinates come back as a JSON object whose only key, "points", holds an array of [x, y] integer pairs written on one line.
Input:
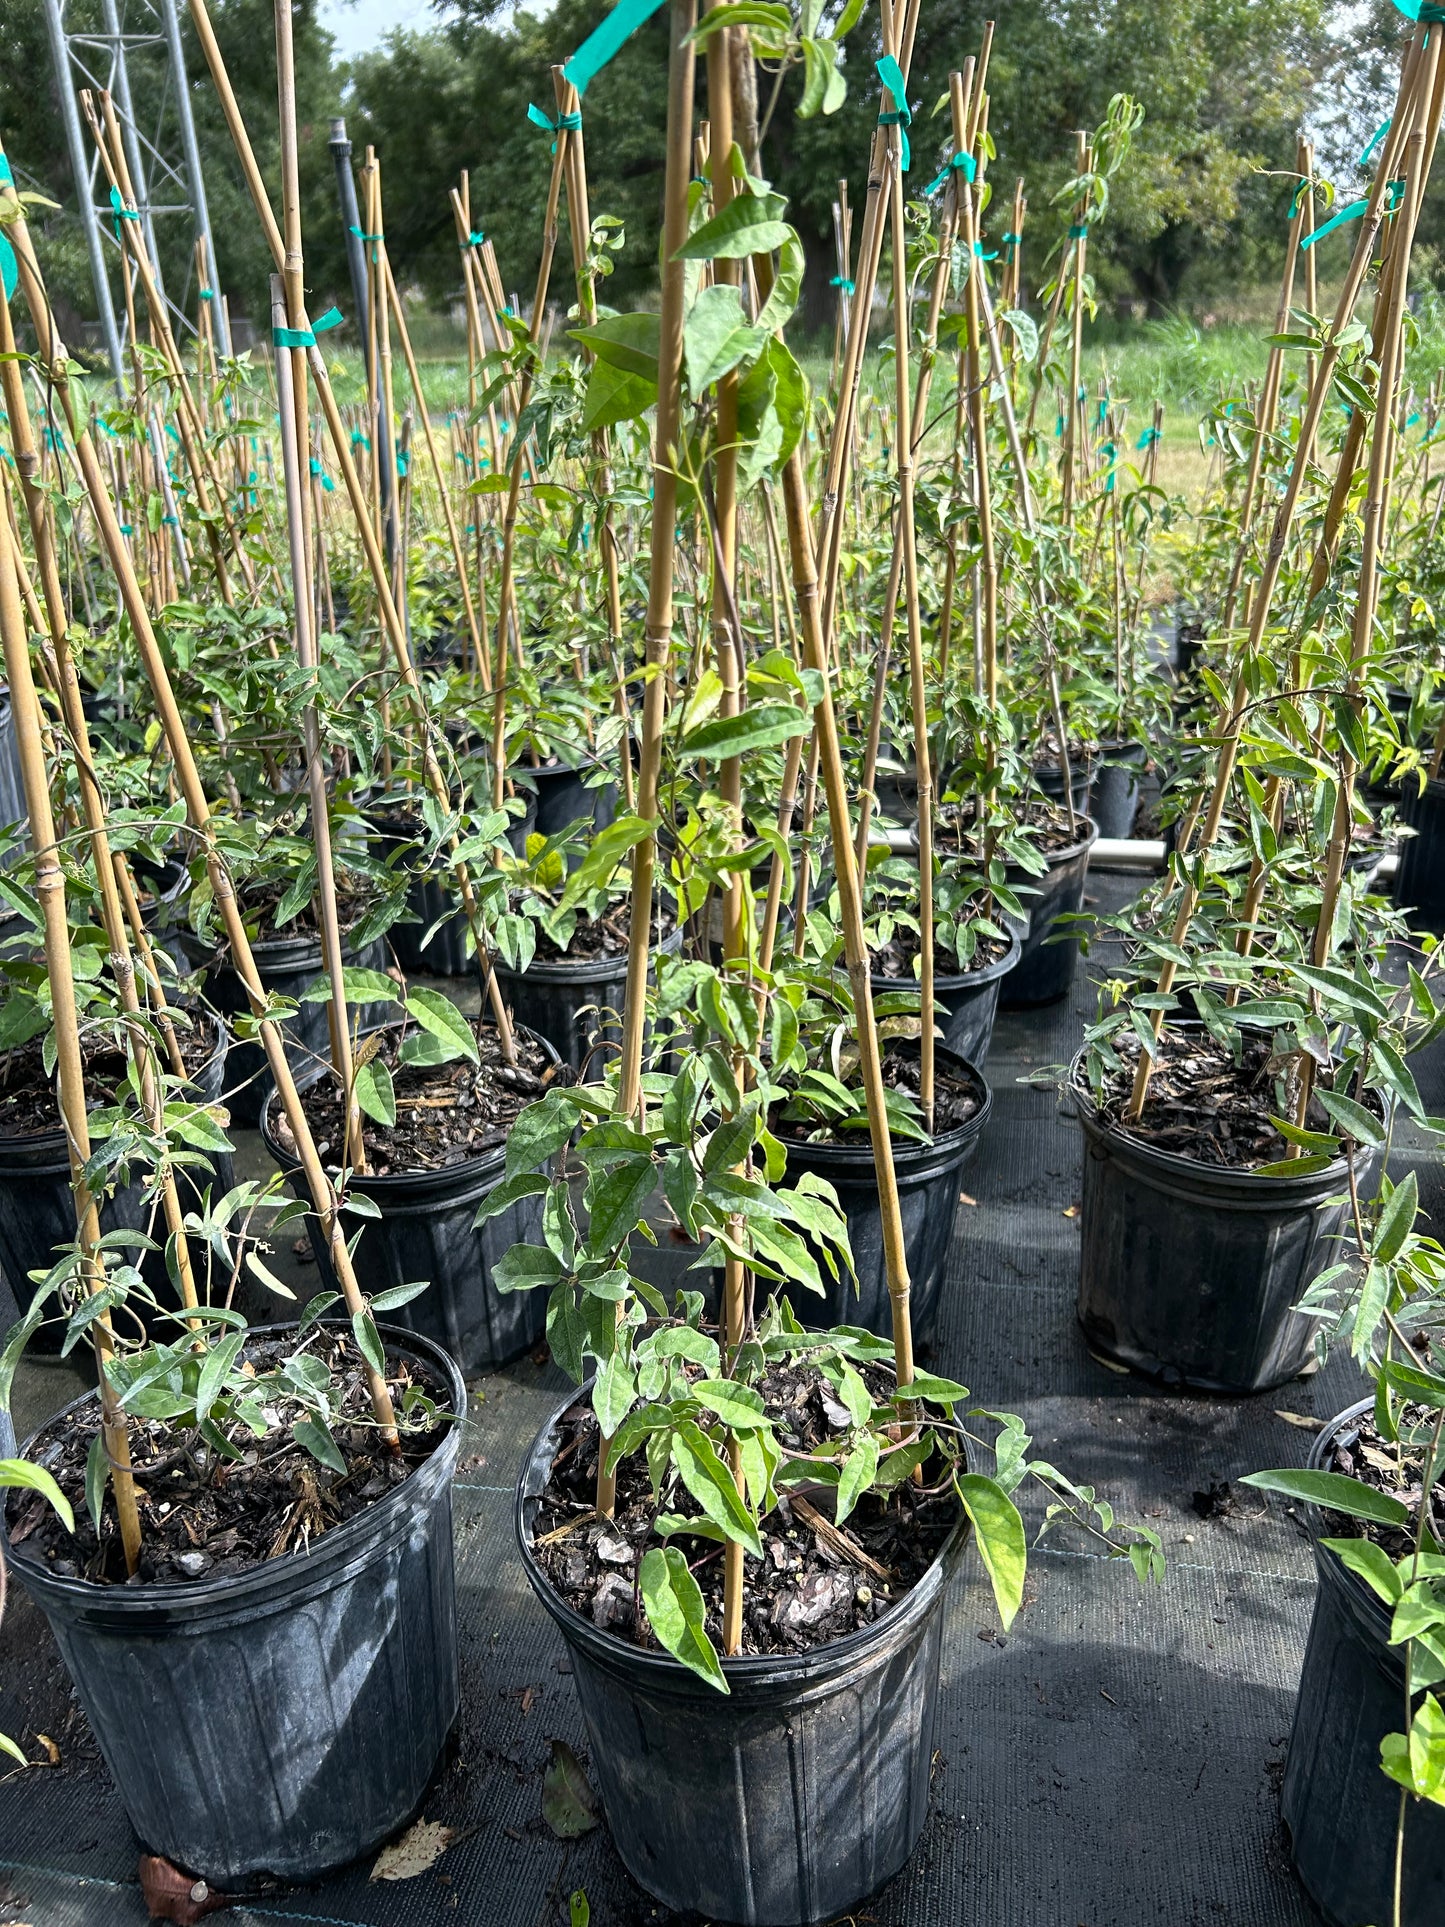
{"points": [[140, 178], [170, 16], [84, 192]]}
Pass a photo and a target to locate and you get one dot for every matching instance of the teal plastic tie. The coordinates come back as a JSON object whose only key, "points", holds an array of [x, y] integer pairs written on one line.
{"points": [[563, 124], [7, 179], [475, 238], [1077, 230], [605, 39], [891, 74], [965, 164], [1373, 142], [1010, 242], [1421, 10], [306, 337], [842, 281], [990, 255], [403, 461], [1350, 213], [9, 267], [1148, 438], [122, 212]]}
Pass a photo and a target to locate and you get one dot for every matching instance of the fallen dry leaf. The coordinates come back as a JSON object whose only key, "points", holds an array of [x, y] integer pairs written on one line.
{"points": [[569, 1805], [418, 1849], [52, 1750], [176, 1896], [1071, 1211], [1302, 1419], [964, 1198], [1110, 1364]]}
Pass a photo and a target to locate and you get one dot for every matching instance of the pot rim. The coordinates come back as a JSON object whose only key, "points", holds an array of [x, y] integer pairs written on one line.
{"points": [[963, 980], [395, 1184], [315, 1564], [1330, 1569], [1054, 859], [749, 1670], [36, 1143], [569, 970], [1177, 1164], [908, 1152]]}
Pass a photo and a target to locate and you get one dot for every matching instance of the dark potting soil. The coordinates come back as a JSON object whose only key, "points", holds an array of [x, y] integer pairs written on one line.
{"points": [[29, 1102], [1203, 1105], [1359, 1451], [815, 1583], [954, 832], [955, 1101], [259, 906], [203, 1515], [599, 938], [445, 1113], [896, 957]]}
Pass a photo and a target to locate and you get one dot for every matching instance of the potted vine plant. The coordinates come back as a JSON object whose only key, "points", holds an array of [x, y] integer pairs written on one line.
{"points": [[649, 1508]]}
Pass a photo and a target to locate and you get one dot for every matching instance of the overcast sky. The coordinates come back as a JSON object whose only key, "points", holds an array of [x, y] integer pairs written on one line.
{"points": [[359, 25]]}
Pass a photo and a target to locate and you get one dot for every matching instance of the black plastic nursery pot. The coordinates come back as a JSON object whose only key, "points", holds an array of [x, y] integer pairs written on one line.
{"points": [[1114, 797], [562, 1000], [927, 1176], [1050, 778], [280, 1722], [788, 1800], [287, 966], [563, 795], [37, 1205], [425, 1231], [1190, 1272], [1420, 878], [1340, 1809], [969, 1002], [1045, 970]]}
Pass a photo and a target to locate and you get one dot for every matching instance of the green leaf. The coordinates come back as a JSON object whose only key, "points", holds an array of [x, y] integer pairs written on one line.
{"points": [[522, 1184], [760, 727], [1001, 1542], [398, 1296], [317, 1439], [1353, 1119], [218, 1363], [368, 1340], [615, 1202], [569, 1805], [629, 342], [97, 1472], [34, 1478], [717, 336], [614, 1391], [738, 1406], [1397, 1220], [749, 224], [525, 1267], [1334, 1490], [1417, 1760], [613, 395], [440, 1016], [360, 986], [731, 1141], [859, 1470], [375, 1092], [1371, 1562], [711, 1483], [673, 1603], [540, 1132]]}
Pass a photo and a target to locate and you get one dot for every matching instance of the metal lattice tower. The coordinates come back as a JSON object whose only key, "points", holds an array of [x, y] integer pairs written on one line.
{"points": [[96, 44]]}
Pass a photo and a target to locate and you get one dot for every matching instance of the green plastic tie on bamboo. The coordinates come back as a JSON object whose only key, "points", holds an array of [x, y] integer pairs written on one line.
{"points": [[842, 281], [1373, 142], [563, 124], [206, 294], [306, 337], [403, 461], [1077, 230], [358, 440], [1425, 11], [7, 178], [991, 255], [126, 529], [891, 74], [122, 212], [9, 266], [605, 39], [965, 164], [1410, 420], [1350, 213], [1148, 438], [475, 238], [1010, 242]]}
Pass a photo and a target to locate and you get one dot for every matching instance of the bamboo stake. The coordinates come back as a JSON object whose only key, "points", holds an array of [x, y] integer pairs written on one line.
{"points": [[1416, 62], [658, 632], [50, 889], [376, 564]]}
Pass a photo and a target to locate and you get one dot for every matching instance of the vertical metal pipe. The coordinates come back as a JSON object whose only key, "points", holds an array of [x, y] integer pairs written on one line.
{"points": [[140, 178], [170, 16], [340, 147], [84, 195]]}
